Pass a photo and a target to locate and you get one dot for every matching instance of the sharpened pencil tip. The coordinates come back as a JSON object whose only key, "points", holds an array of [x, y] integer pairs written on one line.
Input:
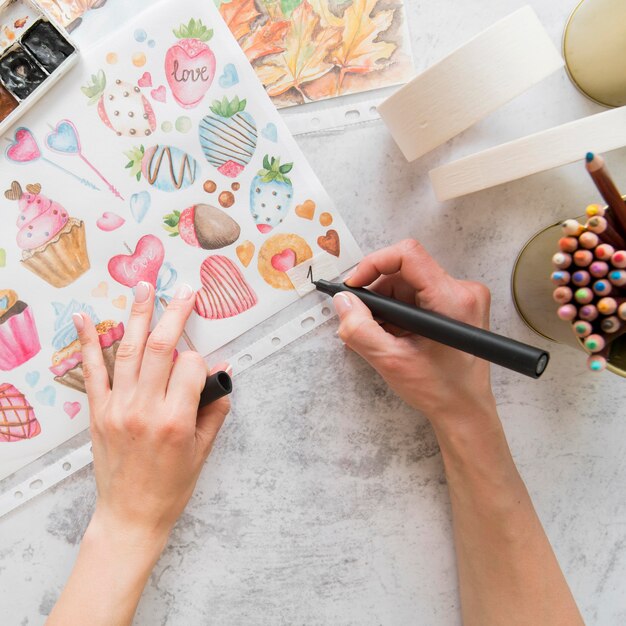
{"points": [[590, 157]]}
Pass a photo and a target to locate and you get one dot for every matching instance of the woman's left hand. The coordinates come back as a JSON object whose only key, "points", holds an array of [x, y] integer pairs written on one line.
{"points": [[149, 440]]}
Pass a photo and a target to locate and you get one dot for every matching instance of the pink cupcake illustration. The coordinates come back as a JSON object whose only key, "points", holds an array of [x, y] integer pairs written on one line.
{"points": [[53, 244], [19, 340]]}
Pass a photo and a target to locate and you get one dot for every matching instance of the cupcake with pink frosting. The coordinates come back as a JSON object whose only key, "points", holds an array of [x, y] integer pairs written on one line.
{"points": [[53, 244], [19, 340], [67, 360]]}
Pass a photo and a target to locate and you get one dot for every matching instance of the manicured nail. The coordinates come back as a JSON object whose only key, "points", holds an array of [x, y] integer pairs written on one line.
{"points": [[142, 292], [349, 275], [342, 304], [79, 322], [224, 367], [183, 292]]}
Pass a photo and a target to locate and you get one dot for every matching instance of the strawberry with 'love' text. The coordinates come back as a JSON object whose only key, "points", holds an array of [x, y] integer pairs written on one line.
{"points": [[190, 64]]}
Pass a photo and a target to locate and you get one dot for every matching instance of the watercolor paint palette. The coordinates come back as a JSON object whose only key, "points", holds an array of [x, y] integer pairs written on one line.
{"points": [[34, 55]]}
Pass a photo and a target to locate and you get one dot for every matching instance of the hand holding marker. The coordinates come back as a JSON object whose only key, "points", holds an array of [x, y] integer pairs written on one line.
{"points": [[471, 339], [590, 276]]}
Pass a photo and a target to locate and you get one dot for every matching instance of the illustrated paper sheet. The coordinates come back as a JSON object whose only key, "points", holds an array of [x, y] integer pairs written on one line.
{"points": [[161, 159], [305, 50]]}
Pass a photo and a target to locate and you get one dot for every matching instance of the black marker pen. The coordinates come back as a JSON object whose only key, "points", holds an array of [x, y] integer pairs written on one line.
{"points": [[486, 345], [217, 386]]}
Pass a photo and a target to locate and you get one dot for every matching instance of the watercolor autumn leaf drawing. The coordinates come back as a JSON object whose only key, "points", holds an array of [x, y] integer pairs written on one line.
{"points": [[308, 50]]}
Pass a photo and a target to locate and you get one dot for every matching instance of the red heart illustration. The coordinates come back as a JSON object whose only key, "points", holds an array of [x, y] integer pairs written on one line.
{"points": [[72, 409], [145, 80], [143, 265], [284, 261], [160, 95], [25, 148]]}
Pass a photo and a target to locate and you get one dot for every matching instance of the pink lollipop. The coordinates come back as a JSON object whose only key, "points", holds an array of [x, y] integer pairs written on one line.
{"points": [[24, 149]]}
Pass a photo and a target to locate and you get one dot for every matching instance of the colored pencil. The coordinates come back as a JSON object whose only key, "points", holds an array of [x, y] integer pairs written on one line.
{"points": [[599, 172]]}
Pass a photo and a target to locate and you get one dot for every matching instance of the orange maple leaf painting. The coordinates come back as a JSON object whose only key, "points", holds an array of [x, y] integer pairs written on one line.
{"points": [[306, 50]]}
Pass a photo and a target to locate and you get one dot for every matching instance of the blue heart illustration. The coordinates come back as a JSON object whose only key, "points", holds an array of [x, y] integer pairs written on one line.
{"points": [[32, 378], [4, 303], [139, 205], [64, 138], [270, 132], [47, 396], [230, 77]]}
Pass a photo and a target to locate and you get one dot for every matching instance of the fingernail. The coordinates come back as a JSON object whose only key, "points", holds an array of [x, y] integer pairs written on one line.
{"points": [[224, 367], [79, 322], [349, 275], [342, 304], [142, 292], [183, 292]]}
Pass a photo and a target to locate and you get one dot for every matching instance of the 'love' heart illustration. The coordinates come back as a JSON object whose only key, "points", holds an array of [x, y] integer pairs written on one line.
{"points": [[139, 205], [32, 378], [230, 77], [284, 261], [72, 409], [145, 80], [47, 396], [24, 148], [159, 94], [33, 188], [270, 132], [110, 221], [143, 265], [64, 138]]}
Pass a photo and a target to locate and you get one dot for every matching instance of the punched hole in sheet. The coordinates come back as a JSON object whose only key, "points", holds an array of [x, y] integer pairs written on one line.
{"points": [[307, 323], [245, 359], [353, 114], [18, 495], [67, 466], [36, 484], [276, 341], [325, 311]]}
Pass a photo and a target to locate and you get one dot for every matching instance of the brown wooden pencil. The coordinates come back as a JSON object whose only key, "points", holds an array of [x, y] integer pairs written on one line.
{"points": [[598, 171]]}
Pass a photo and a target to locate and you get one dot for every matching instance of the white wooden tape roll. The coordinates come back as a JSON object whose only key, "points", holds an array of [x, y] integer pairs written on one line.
{"points": [[536, 153], [475, 80]]}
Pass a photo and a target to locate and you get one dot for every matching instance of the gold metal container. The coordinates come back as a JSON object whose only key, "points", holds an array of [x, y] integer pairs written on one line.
{"points": [[594, 48], [532, 291]]}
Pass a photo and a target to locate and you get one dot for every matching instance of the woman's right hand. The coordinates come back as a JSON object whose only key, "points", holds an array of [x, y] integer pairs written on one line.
{"points": [[443, 383]]}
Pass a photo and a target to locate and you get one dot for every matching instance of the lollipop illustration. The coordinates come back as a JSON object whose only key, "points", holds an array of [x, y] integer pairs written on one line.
{"points": [[64, 139], [25, 149]]}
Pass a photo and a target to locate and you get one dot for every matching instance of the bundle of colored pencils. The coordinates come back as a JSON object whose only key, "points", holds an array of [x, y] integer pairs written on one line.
{"points": [[590, 270]]}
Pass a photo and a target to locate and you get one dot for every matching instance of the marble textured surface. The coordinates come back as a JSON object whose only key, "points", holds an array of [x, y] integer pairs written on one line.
{"points": [[324, 501]]}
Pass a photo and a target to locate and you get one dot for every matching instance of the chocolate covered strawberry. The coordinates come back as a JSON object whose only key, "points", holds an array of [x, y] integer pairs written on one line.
{"points": [[165, 167], [203, 226], [190, 64], [121, 106]]}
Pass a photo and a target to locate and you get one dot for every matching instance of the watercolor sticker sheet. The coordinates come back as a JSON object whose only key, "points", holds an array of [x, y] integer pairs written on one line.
{"points": [[159, 158]]}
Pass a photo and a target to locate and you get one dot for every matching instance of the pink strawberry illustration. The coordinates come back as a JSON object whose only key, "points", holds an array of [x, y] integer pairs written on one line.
{"points": [[190, 64], [121, 106]]}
